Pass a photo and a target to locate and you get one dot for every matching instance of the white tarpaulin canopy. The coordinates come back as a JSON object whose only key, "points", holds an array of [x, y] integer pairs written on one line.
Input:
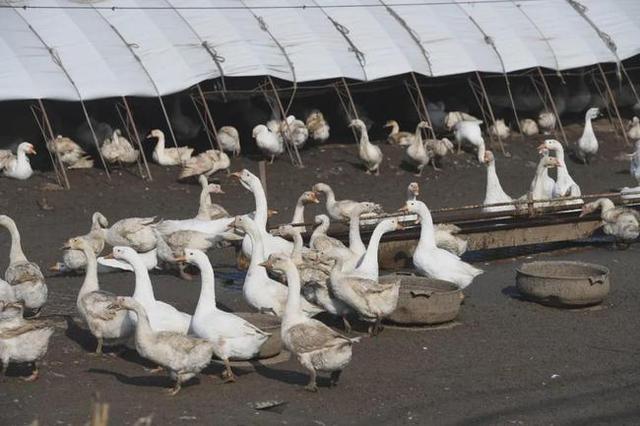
{"points": [[83, 49]]}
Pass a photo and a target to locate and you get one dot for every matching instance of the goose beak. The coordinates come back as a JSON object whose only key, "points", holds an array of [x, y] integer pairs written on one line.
{"points": [[236, 174], [271, 212], [65, 246], [266, 264], [314, 197], [399, 227], [541, 148], [55, 268], [403, 209], [109, 256], [31, 151], [181, 259], [230, 226]]}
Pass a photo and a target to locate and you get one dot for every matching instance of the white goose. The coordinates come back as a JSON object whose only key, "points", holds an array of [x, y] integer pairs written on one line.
{"points": [[70, 153], [368, 266], [587, 146], [74, 260], [182, 356], [417, 152], [338, 210], [118, 150], [162, 316], [620, 222], [268, 141], [565, 186], [232, 337], [318, 127], [271, 243], [208, 210], [134, 232], [454, 117], [229, 140], [168, 156], [205, 163], [633, 129], [25, 277], [469, 131], [500, 129], [546, 122], [434, 262], [93, 304], [370, 154], [319, 239], [317, 347], [529, 127], [307, 197], [396, 137], [634, 166], [295, 131], [259, 290], [17, 166], [539, 189], [494, 193]]}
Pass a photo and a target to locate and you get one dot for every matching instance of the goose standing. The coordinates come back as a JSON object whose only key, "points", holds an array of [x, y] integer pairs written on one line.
{"points": [[454, 117], [22, 340], [529, 127], [620, 222], [318, 126], [74, 259], [307, 197], [417, 152], [371, 300], [205, 163], [439, 148], [494, 193], [168, 156], [171, 247], [565, 186], [396, 137], [25, 277], [183, 356], [469, 131], [338, 210], [633, 129], [232, 337], [587, 146], [207, 210], [368, 266], [118, 150], [70, 153], [161, 316], [17, 166], [317, 347], [319, 239], [269, 142], [546, 122], [295, 131], [106, 325], [229, 140], [259, 290], [539, 189], [434, 262], [370, 154]]}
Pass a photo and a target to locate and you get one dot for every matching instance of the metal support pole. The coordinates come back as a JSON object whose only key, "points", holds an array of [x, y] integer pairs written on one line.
{"points": [[58, 166], [513, 104], [95, 139], [203, 121], [614, 104], [553, 105], [421, 105], [212, 124], [493, 118], [296, 159], [134, 129], [607, 102], [346, 100]]}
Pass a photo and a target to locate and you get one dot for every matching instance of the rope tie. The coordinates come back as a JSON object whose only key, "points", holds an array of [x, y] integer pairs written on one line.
{"points": [[360, 56], [213, 52]]}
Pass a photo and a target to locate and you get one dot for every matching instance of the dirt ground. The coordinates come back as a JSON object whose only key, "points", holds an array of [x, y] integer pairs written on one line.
{"points": [[505, 361]]}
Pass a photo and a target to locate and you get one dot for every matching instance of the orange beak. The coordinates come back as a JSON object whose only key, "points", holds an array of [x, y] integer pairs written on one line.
{"points": [[399, 227], [109, 256], [314, 198], [181, 259], [31, 151], [403, 209], [236, 174]]}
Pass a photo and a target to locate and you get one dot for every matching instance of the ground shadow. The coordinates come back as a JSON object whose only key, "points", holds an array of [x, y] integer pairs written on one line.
{"points": [[155, 381]]}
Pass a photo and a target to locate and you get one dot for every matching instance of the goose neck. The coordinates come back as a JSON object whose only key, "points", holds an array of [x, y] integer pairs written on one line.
{"points": [[292, 307], [493, 182], [261, 205], [90, 282], [143, 287], [15, 254], [395, 128], [296, 253], [143, 327], [257, 247], [298, 212], [207, 300], [427, 234], [355, 239], [370, 258]]}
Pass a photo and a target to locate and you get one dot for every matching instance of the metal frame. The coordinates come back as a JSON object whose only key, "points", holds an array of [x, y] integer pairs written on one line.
{"points": [[132, 133], [600, 78], [44, 123], [346, 100], [482, 98], [415, 93], [547, 99]]}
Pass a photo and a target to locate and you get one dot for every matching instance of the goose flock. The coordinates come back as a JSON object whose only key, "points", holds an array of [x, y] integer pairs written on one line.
{"points": [[284, 277]]}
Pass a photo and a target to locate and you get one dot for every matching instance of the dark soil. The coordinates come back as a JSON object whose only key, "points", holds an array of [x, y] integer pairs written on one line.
{"points": [[508, 362]]}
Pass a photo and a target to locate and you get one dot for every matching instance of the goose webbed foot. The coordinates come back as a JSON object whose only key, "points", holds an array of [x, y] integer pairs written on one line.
{"points": [[99, 346], [347, 325], [375, 328], [273, 157], [227, 374], [34, 375], [175, 389], [312, 386], [158, 369], [335, 377]]}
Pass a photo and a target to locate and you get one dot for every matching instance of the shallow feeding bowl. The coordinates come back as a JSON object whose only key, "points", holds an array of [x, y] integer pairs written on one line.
{"points": [[424, 301], [563, 283], [269, 324]]}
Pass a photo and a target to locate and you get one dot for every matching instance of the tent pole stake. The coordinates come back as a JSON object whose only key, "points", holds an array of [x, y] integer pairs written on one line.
{"points": [[58, 167], [493, 118], [554, 108], [423, 112], [210, 121], [615, 106], [132, 125], [296, 159]]}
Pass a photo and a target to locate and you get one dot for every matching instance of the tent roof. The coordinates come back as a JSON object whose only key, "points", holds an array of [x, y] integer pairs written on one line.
{"points": [[89, 49]]}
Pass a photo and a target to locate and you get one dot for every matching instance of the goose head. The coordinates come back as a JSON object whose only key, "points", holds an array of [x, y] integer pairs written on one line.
{"points": [[309, 197], [357, 123], [412, 206], [390, 123], [98, 218], [247, 179], [156, 134], [592, 113], [76, 243], [391, 224], [278, 262], [193, 256], [489, 158], [321, 219], [127, 254], [635, 121], [588, 208], [214, 188], [550, 145], [413, 190], [258, 130], [27, 148], [286, 230], [423, 125], [321, 187]]}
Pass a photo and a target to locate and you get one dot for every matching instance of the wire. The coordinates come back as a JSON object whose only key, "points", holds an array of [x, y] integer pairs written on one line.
{"points": [[299, 7]]}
